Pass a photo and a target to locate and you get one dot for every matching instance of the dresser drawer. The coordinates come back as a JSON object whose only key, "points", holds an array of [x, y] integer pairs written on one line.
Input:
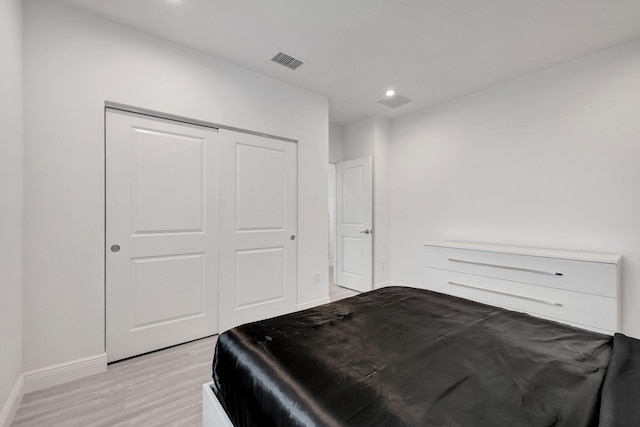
{"points": [[571, 275], [584, 310]]}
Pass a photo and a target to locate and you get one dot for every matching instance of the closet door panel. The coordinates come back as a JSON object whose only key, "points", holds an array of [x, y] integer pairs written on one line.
{"points": [[258, 228]]}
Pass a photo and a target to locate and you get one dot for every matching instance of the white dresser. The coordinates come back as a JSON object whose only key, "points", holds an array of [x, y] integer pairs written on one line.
{"points": [[576, 288]]}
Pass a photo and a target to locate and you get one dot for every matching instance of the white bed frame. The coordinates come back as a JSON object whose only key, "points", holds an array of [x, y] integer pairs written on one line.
{"points": [[577, 288], [213, 414]]}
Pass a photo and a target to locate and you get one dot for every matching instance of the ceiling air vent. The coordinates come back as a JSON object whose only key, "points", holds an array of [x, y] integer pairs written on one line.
{"points": [[394, 101], [286, 60]]}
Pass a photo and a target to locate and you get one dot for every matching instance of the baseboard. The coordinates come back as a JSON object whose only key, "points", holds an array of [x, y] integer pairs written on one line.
{"points": [[64, 372], [12, 404], [313, 303]]}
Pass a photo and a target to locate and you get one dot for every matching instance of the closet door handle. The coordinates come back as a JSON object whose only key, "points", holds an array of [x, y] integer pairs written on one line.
{"points": [[543, 301], [508, 267]]}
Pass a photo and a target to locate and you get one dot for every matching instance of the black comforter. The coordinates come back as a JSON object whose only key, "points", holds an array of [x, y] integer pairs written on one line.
{"points": [[410, 357]]}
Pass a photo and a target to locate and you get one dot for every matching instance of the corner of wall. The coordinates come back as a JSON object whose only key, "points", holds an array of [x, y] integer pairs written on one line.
{"points": [[336, 143], [11, 193], [382, 205], [359, 138]]}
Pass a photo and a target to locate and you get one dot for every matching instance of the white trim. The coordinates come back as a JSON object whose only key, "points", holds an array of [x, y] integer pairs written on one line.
{"points": [[213, 415], [13, 403], [314, 303], [64, 372]]}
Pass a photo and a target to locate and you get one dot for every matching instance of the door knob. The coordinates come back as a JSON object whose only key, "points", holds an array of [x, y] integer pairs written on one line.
{"points": [[366, 231], [115, 248]]}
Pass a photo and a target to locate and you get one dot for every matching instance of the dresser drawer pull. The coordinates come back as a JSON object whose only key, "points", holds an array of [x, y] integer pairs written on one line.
{"points": [[543, 301], [530, 270]]}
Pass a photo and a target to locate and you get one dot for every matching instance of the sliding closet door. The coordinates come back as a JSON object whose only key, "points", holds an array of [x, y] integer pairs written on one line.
{"points": [[258, 228], [161, 233]]}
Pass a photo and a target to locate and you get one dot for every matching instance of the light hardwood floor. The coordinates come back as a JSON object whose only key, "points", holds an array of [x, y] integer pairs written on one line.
{"points": [[158, 389], [338, 292]]}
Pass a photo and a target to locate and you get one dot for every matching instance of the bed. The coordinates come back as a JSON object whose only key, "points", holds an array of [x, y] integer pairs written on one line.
{"points": [[402, 356]]}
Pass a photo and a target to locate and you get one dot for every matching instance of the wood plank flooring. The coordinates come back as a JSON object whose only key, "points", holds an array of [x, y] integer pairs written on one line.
{"points": [[158, 389], [338, 292]]}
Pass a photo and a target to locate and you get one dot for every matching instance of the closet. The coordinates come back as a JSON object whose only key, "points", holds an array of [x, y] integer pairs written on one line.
{"points": [[201, 229]]}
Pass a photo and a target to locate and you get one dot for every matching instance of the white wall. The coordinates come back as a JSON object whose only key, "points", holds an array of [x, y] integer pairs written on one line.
{"points": [[332, 218], [73, 63], [359, 138], [381, 206], [336, 141], [336, 155], [547, 160], [10, 198]]}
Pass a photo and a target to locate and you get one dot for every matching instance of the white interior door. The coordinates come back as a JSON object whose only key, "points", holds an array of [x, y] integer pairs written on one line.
{"points": [[354, 245], [161, 233], [258, 228]]}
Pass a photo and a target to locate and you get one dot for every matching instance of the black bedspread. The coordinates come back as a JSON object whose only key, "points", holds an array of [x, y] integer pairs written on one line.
{"points": [[409, 357], [621, 389]]}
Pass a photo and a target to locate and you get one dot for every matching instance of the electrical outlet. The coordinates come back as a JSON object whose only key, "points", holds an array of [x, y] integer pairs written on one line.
{"points": [[316, 277]]}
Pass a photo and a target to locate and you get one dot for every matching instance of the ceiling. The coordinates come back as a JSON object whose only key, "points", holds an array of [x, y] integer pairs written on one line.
{"points": [[430, 50]]}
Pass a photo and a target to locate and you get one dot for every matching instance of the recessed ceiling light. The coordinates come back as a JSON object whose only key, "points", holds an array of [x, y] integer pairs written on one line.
{"points": [[390, 93]]}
